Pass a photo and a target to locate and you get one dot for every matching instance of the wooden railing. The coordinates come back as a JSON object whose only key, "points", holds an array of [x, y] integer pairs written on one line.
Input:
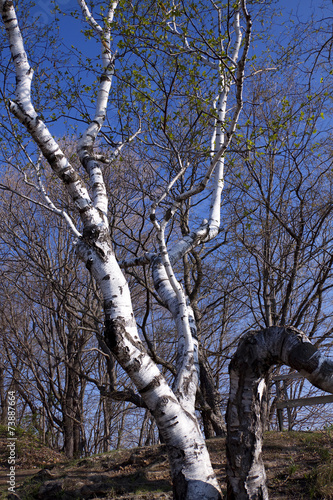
{"points": [[293, 403]]}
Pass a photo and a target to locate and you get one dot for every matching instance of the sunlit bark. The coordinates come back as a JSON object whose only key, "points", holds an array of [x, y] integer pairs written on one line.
{"points": [[192, 473], [166, 283]]}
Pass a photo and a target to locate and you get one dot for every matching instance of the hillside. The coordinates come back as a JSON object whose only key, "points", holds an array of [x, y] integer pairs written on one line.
{"points": [[299, 466]]}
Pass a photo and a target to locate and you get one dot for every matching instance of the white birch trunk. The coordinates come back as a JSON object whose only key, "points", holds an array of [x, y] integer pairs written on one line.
{"points": [[165, 281], [192, 473], [87, 141], [256, 354], [186, 383], [218, 138]]}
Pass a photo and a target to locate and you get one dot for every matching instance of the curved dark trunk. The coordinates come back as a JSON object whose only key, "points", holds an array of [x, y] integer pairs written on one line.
{"points": [[256, 354]]}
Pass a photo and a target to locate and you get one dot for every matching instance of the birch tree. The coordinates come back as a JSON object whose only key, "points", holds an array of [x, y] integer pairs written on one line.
{"points": [[173, 410], [186, 66]]}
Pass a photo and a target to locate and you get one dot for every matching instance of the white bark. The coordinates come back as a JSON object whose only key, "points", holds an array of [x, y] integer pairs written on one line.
{"points": [[218, 138], [192, 472], [87, 141], [185, 385], [24, 110], [249, 368]]}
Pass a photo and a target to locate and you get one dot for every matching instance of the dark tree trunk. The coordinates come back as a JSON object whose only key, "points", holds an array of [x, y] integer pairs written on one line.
{"points": [[212, 418], [3, 399], [257, 353], [72, 415]]}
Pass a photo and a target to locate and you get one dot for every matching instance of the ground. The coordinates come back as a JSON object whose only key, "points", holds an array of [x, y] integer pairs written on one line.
{"points": [[298, 465]]}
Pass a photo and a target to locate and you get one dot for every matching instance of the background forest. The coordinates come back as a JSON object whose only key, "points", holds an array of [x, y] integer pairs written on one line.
{"points": [[270, 262]]}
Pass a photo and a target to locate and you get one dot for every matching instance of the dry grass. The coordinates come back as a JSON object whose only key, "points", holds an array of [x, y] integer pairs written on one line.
{"points": [[298, 465]]}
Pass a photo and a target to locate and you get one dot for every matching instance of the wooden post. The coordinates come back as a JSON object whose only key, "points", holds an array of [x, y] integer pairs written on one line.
{"points": [[279, 411]]}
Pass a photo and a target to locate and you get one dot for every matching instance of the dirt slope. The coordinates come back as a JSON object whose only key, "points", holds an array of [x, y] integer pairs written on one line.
{"points": [[298, 465]]}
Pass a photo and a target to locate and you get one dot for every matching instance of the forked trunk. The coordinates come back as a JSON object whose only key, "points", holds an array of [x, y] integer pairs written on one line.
{"points": [[192, 473]]}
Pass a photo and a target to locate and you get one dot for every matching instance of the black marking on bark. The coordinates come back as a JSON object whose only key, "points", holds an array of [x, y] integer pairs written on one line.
{"points": [[108, 304], [107, 277], [194, 333], [89, 263], [168, 215], [158, 283], [154, 383], [173, 418], [162, 402], [7, 5], [152, 217], [98, 125], [179, 482], [191, 417], [115, 333], [105, 78], [85, 161], [101, 214], [179, 486], [66, 174], [172, 425], [84, 209], [186, 383], [91, 233], [135, 365]]}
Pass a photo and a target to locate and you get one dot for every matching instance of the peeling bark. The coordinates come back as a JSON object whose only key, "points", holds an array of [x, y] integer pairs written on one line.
{"points": [[256, 354]]}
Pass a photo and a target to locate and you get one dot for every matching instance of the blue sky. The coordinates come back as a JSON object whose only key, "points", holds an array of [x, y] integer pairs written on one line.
{"points": [[70, 29], [43, 10]]}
